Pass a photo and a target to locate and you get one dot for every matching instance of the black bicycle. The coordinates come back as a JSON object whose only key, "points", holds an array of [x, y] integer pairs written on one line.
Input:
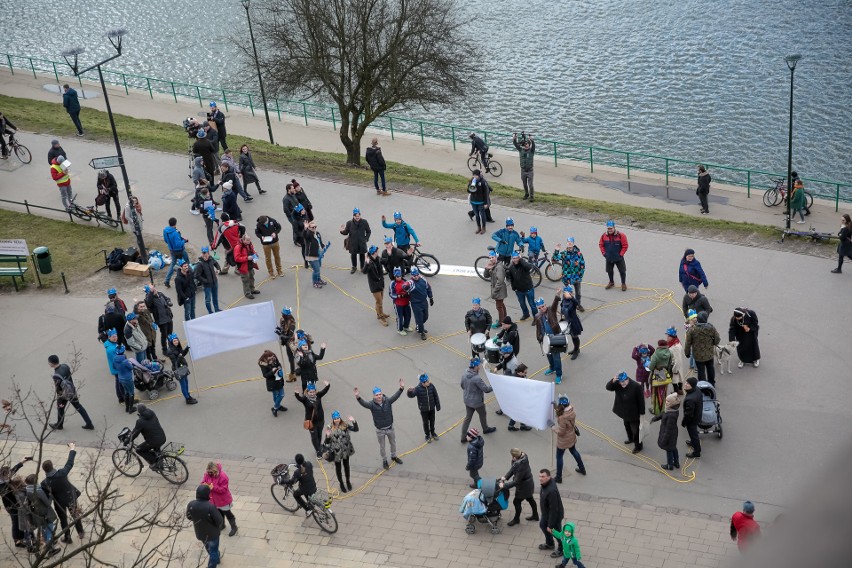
{"points": [[319, 502], [426, 263], [168, 463], [20, 151], [494, 168], [91, 212], [535, 271]]}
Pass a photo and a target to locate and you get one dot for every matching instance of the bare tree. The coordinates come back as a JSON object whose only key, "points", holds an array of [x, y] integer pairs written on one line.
{"points": [[368, 56], [109, 505]]}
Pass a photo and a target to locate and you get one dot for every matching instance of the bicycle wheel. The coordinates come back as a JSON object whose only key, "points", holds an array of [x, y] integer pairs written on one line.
{"points": [[771, 197], [427, 264], [126, 462], [553, 271], [284, 497], [23, 153], [107, 220], [535, 274], [79, 212], [325, 519], [472, 164], [479, 267], [173, 469], [494, 168], [809, 200]]}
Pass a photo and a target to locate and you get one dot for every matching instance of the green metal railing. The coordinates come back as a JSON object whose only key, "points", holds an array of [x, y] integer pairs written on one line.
{"points": [[751, 179]]}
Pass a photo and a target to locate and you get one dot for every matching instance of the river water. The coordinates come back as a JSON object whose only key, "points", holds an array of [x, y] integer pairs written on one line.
{"points": [[687, 79]]}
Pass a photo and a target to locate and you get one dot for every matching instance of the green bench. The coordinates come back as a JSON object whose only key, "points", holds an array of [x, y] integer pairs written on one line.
{"points": [[17, 271]]}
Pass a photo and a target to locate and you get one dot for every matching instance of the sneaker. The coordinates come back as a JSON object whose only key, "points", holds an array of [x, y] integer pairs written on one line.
{"points": [[167, 284], [81, 134], [525, 428], [423, 336], [256, 292], [558, 379], [557, 479], [498, 412], [666, 466], [249, 198], [489, 430], [512, 429], [434, 436], [428, 439], [575, 354], [195, 211], [580, 308], [545, 546], [233, 531], [513, 522], [532, 518], [131, 410], [191, 400], [837, 271], [549, 372], [409, 329], [638, 449], [402, 332], [689, 443], [275, 412], [89, 427], [251, 297], [583, 471], [800, 222], [397, 460], [740, 364], [385, 464], [555, 553], [56, 426], [757, 363], [261, 191], [693, 455], [525, 318]]}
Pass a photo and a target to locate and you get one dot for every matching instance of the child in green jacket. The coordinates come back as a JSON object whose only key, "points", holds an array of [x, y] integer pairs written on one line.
{"points": [[570, 546]]}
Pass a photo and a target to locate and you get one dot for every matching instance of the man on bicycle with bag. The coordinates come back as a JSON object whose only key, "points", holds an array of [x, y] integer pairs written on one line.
{"points": [[304, 476], [153, 434], [478, 145]]}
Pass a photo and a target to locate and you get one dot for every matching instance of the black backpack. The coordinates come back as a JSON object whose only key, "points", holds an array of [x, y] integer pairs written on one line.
{"points": [[116, 259]]}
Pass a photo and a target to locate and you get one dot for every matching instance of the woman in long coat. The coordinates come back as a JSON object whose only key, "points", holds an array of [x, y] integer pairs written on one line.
{"points": [[340, 442], [520, 477], [314, 413], [744, 328], [358, 232]]}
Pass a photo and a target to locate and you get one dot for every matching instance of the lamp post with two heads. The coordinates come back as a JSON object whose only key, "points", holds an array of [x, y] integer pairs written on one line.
{"points": [[791, 60]]}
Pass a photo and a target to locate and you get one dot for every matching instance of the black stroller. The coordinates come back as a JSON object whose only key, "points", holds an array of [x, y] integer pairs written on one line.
{"points": [[711, 418], [485, 506], [151, 376]]}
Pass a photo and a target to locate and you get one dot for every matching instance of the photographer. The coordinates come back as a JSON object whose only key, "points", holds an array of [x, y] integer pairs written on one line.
{"points": [[202, 147], [218, 117], [191, 126], [526, 149]]}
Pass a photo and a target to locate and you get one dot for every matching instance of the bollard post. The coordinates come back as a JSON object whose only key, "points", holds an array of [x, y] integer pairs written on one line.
{"points": [[64, 282]]}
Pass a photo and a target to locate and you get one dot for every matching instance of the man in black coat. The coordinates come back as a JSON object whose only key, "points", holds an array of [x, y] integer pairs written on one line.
{"points": [[218, 117], [229, 175], [693, 405], [376, 162], [358, 235], [207, 270], [207, 522], [55, 150], [428, 403], [518, 276], [186, 287], [392, 258], [64, 494], [509, 335], [552, 512], [629, 405], [66, 393], [112, 319], [148, 425], [202, 147], [376, 282], [695, 300], [160, 307]]}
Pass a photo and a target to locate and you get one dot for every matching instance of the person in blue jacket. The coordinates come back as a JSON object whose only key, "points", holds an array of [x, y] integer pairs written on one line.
{"points": [[402, 232], [535, 244], [124, 368], [690, 272], [177, 247], [419, 295], [507, 239]]}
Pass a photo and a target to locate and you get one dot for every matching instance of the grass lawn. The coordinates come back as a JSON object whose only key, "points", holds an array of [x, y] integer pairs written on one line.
{"points": [[37, 116], [75, 248]]}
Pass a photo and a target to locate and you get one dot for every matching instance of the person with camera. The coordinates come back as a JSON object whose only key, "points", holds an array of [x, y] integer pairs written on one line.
{"points": [[63, 493], [153, 435], [526, 150], [218, 117], [478, 146], [107, 191]]}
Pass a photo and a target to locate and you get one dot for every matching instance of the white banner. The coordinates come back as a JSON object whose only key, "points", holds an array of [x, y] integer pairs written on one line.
{"points": [[524, 400], [231, 329]]}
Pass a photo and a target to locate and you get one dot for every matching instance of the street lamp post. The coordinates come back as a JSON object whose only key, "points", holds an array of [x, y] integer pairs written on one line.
{"points": [[247, 5], [791, 60], [70, 56]]}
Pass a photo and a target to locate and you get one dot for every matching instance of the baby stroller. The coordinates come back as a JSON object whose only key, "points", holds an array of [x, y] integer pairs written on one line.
{"points": [[711, 419], [484, 505], [150, 376]]}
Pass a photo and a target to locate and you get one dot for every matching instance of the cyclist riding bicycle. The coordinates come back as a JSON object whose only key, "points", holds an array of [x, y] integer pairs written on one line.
{"points": [[402, 232], [507, 239], [149, 426], [6, 127], [304, 475], [479, 146]]}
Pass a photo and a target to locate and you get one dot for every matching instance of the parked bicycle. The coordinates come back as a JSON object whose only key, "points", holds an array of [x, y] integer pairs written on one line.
{"points": [[91, 212], [168, 463], [535, 271], [494, 168], [778, 194], [20, 151], [319, 502]]}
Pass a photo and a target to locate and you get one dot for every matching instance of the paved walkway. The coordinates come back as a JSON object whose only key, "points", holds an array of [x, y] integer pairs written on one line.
{"points": [[408, 519], [607, 184]]}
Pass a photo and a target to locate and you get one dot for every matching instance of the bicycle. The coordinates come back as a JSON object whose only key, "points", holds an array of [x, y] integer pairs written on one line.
{"points": [[91, 212], [778, 194], [168, 464], [535, 271], [21, 152], [426, 263], [552, 267], [319, 503], [494, 168]]}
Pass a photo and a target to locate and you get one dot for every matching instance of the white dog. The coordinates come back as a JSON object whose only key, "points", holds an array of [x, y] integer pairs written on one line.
{"points": [[724, 353]]}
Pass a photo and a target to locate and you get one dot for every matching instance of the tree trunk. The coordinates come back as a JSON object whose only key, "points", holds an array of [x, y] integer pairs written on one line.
{"points": [[353, 151]]}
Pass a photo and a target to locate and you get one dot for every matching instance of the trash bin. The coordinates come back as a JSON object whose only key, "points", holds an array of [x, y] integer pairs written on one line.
{"points": [[42, 255]]}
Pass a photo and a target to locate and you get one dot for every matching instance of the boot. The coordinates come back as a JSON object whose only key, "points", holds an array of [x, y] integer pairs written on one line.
{"points": [[348, 484], [291, 377], [837, 271], [233, 528], [576, 352]]}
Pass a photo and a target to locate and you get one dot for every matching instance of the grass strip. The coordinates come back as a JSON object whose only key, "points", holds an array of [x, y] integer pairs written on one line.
{"points": [[40, 117]]}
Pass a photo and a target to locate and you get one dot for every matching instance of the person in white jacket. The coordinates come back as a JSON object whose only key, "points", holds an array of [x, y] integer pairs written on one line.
{"points": [[676, 350]]}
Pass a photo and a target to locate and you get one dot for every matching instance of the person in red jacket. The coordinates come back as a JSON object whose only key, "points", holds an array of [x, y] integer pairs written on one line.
{"points": [[63, 181], [228, 235], [743, 526], [399, 290], [613, 248], [246, 259]]}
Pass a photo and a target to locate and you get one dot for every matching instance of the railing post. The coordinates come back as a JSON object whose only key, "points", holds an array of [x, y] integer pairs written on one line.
{"points": [[628, 165], [334, 119], [32, 66], [305, 112], [591, 160], [555, 150], [27, 205], [174, 93], [55, 74], [224, 100], [453, 130], [278, 110], [837, 199], [9, 59], [390, 118], [198, 94], [150, 92], [124, 80], [485, 137], [748, 183], [251, 106], [422, 142], [667, 171]]}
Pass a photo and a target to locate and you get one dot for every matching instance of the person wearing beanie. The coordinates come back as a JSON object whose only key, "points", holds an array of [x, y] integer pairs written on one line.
{"points": [[153, 435], [118, 303], [566, 436], [135, 337], [66, 393], [475, 455], [479, 196], [507, 241], [703, 189], [428, 404], [55, 150], [520, 477], [357, 232], [376, 282], [547, 323], [474, 389], [376, 161], [420, 298], [743, 526], [314, 420], [207, 522], [695, 300], [660, 367], [63, 181], [381, 407], [339, 442], [568, 310], [613, 245], [570, 546], [676, 350], [629, 405], [204, 148], [304, 476], [690, 272], [701, 340], [508, 335], [477, 320], [573, 268], [667, 438], [693, 404]]}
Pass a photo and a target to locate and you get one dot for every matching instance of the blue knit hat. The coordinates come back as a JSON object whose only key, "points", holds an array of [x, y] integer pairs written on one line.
{"points": [[510, 222], [415, 271], [376, 390], [539, 302], [515, 254], [671, 332], [569, 289], [507, 349], [476, 301], [356, 211], [335, 415], [423, 378], [388, 240], [475, 362], [533, 230], [610, 223], [110, 332], [286, 311], [130, 316], [372, 249], [622, 376], [311, 387], [397, 215], [172, 336], [111, 292], [397, 272]]}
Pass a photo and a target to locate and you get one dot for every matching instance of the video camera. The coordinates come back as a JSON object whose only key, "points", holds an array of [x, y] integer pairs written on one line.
{"points": [[191, 126], [523, 137]]}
